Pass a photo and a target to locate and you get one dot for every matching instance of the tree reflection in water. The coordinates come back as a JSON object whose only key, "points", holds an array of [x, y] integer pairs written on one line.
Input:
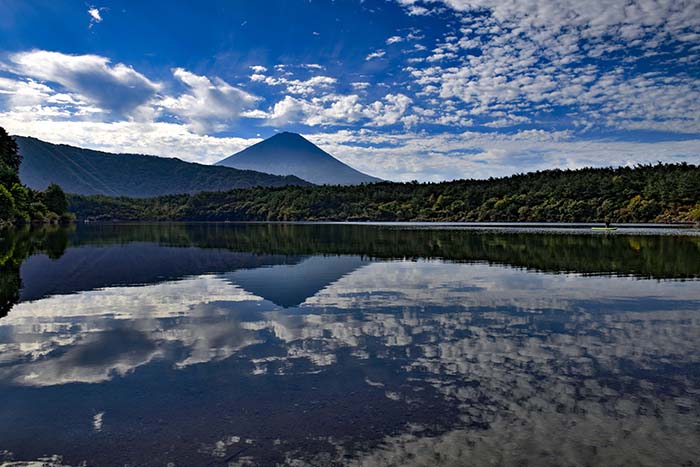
{"points": [[361, 345]]}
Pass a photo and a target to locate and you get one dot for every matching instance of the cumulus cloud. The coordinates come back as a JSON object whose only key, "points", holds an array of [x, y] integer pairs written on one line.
{"points": [[337, 110], [388, 111], [591, 18], [360, 85], [325, 111], [607, 20], [284, 112], [510, 58], [209, 104], [116, 88], [342, 109], [296, 86]]}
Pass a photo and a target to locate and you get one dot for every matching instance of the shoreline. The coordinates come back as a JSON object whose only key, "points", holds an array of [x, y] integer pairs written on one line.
{"points": [[578, 228], [645, 225]]}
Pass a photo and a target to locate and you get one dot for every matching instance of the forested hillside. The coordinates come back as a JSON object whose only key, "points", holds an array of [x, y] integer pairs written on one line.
{"points": [[85, 171], [658, 193]]}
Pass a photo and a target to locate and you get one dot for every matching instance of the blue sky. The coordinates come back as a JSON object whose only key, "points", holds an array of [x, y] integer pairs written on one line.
{"points": [[401, 89]]}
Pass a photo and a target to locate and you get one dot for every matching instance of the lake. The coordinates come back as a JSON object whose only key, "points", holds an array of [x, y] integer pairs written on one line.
{"points": [[363, 345]]}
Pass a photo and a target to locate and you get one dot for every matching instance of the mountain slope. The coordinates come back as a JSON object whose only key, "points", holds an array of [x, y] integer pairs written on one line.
{"points": [[88, 172], [292, 154]]}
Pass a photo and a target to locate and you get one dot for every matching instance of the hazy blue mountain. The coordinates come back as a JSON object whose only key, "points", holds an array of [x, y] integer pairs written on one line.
{"points": [[292, 154], [289, 285], [89, 172], [90, 267]]}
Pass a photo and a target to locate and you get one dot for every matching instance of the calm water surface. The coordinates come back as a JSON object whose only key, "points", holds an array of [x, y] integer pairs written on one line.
{"points": [[257, 344]]}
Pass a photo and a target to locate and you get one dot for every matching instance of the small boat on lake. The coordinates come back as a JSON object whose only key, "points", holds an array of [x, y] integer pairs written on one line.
{"points": [[607, 227]]}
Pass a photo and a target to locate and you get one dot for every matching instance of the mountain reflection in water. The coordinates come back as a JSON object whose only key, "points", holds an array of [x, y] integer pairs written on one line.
{"points": [[264, 344]]}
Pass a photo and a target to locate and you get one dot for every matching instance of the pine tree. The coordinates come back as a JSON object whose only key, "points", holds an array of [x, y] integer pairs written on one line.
{"points": [[55, 199]]}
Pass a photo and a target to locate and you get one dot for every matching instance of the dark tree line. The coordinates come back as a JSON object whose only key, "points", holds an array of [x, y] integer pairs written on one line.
{"points": [[646, 193], [657, 256], [19, 204]]}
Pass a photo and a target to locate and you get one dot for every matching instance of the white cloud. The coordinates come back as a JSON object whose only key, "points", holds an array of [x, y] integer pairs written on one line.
{"points": [[360, 85], [394, 40], [336, 109], [296, 86], [608, 20], [517, 58], [258, 68], [284, 112], [95, 15], [210, 104], [342, 110], [592, 18], [389, 111], [507, 121], [377, 54], [24, 92], [415, 10], [116, 88], [326, 111], [310, 85]]}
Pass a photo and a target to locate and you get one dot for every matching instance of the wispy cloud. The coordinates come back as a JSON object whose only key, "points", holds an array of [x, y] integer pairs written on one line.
{"points": [[377, 54], [95, 15]]}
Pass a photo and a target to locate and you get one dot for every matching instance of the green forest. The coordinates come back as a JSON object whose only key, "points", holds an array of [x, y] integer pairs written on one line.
{"points": [[20, 204], [646, 193]]}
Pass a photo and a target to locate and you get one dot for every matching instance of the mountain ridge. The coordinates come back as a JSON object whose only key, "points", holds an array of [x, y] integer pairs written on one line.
{"points": [[91, 172], [288, 153]]}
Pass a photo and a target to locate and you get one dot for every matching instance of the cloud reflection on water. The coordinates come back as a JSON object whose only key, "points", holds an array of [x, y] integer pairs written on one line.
{"points": [[586, 369], [402, 302]]}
